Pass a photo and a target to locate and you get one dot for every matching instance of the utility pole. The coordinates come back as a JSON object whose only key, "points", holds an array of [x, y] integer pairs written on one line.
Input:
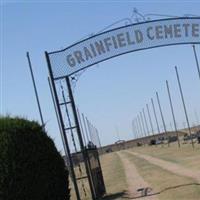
{"points": [[184, 106], [154, 111], [162, 117], [35, 89], [85, 127], [172, 110], [145, 120], [196, 59], [143, 124], [150, 121]]}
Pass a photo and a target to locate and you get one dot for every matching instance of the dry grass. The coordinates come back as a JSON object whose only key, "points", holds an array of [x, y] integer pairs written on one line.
{"points": [[114, 175], [185, 155], [169, 186], [114, 178], [82, 184]]}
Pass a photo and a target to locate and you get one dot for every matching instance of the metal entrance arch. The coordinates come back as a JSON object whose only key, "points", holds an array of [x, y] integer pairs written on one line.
{"points": [[98, 48]]}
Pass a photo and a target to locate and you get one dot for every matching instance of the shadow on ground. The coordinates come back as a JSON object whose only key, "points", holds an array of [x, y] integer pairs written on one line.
{"points": [[164, 190], [115, 196], [124, 194]]}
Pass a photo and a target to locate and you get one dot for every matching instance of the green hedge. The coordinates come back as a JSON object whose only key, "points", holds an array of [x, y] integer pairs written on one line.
{"points": [[31, 168]]}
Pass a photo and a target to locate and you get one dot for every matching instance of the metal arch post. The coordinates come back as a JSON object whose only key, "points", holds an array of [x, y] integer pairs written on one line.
{"points": [[57, 116], [83, 150], [73, 176]]}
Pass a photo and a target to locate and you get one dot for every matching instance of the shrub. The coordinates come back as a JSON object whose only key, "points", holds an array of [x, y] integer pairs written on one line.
{"points": [[31, 168]]}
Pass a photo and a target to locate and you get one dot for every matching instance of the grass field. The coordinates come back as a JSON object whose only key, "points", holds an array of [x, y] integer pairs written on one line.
{"points": [[114, 176], [166, 185], [185, 155]]}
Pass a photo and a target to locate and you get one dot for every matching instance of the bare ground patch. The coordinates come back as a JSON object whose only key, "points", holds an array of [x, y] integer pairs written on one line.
{"points": [[137, 186], [172, 167]]}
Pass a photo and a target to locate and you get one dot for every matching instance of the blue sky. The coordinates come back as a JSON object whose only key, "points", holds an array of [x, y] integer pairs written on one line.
{"points": [[110, 94]]}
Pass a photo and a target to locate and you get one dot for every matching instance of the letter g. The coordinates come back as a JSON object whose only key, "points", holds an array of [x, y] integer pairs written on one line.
{"points": [[71, 61]]}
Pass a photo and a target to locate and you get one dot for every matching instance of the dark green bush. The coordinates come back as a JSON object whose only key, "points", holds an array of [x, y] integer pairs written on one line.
{"points": [[31, 168]]}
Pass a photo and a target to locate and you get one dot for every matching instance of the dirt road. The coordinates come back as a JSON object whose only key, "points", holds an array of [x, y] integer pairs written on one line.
{"points": [[169, 166], [135, 181]]}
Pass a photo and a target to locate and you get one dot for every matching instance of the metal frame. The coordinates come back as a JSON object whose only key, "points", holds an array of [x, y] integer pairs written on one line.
{"points": [[62, 126], [146, 22], [74, 111]]}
